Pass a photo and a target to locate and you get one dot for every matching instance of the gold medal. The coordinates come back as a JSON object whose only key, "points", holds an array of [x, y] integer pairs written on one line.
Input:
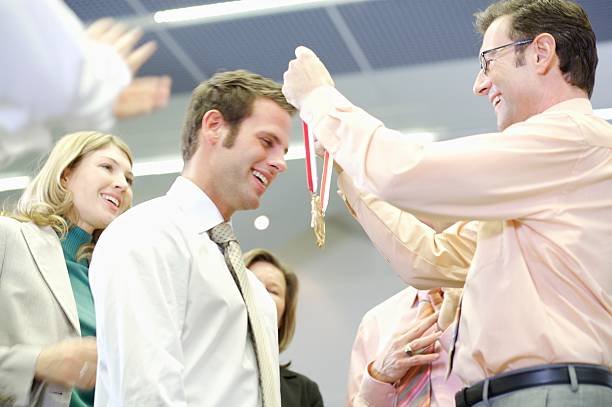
{"points": [[317, 220], [318, 203]]}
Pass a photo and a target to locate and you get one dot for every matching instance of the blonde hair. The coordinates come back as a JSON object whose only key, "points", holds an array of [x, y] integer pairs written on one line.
{"points": [[45, 201], [286, 327]]}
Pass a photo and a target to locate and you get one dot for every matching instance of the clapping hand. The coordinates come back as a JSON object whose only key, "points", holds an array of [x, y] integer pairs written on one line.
{"points": [[144, 94], [123, 40], [69, 363]]}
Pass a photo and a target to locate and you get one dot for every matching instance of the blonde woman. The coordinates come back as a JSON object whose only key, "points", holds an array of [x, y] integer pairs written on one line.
{"points": [[296, 390], [47, 324]]}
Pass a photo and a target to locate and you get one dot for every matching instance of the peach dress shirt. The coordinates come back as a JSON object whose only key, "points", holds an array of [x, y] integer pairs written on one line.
{"points": [[374, 332], [536, 202]]}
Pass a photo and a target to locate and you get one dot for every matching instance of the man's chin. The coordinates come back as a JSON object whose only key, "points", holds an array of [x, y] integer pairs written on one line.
{"points": [[502, 124], [505, 121], [252, 203]]}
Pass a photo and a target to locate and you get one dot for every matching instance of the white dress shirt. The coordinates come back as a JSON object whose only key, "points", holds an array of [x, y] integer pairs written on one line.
{"points": [[54, 75], [171, 323]]}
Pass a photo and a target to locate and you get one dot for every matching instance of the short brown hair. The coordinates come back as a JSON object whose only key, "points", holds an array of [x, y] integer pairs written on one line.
{"points": [[565, 20], [232, 93], [286, 328]]}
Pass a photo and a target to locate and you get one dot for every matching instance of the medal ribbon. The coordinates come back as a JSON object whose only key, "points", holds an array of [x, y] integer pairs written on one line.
{"points": [[311, 168]]}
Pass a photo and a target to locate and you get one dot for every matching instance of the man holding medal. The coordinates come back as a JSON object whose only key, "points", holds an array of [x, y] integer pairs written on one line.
{"points": [[534, 200]]}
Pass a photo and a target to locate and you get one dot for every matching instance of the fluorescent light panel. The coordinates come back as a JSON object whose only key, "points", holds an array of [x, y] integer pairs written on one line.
{"points": [[235, 9]]}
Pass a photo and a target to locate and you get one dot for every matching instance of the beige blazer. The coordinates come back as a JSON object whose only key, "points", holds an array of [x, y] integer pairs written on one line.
{"points": [[37, 308]]}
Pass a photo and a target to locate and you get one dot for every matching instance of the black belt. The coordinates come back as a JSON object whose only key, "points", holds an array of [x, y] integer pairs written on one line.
{"points": [[532, 377]]}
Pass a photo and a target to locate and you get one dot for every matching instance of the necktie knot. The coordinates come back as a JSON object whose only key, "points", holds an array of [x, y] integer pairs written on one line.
{"points": [[222, 234]]}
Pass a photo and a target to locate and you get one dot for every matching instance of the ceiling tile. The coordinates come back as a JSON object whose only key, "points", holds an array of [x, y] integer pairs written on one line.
{"points": [[265, 44]]}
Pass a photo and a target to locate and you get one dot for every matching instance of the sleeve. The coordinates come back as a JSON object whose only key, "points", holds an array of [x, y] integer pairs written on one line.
{"points": [[104, 75], [362, 389], [18, 362], [422, 257], [140, 299], [510, 175], [17, 365], [41, 77], [3, 245], [358, 361], [55, 76]]}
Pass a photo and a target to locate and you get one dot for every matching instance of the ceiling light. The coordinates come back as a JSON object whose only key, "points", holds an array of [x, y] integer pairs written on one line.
{"points": [[217, 11], [261, 222]]}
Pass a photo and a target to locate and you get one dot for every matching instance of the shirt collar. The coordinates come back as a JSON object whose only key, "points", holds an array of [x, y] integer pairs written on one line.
{"points": [[194, 202], [286, 373], [410, 295], [422, 295], [580, 105]]}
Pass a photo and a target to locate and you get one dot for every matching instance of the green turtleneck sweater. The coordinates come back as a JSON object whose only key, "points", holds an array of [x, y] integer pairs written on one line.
{"points": [[78, 271]]}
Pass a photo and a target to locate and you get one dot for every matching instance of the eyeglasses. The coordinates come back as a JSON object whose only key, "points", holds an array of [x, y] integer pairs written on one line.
{"points": [[484, 62]]}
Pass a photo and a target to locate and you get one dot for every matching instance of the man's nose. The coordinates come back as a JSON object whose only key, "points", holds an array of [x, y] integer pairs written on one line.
{"points": [[278, 163], [482, 84]]}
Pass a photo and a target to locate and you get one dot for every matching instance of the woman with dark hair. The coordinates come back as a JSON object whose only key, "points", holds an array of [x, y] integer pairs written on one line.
{"points": [[296, 390]]}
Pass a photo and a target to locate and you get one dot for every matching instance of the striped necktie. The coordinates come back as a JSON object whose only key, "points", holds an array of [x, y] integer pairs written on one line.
{"points": [[269, 381], [414, 390]]}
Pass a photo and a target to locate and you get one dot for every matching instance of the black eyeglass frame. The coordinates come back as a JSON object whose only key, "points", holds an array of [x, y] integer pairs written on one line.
{"points": [[484, 63]]}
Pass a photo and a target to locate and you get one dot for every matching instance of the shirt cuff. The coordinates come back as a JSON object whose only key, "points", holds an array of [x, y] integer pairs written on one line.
{"points": [[318, 104], [374, 393], [343, 129]]}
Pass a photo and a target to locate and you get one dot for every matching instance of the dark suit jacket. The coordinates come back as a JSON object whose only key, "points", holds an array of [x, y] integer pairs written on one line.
{"points": [[298, 391]]}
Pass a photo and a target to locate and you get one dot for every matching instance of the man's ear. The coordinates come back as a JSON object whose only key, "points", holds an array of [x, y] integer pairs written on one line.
{"points": [[545, 53], [212, 127]]}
